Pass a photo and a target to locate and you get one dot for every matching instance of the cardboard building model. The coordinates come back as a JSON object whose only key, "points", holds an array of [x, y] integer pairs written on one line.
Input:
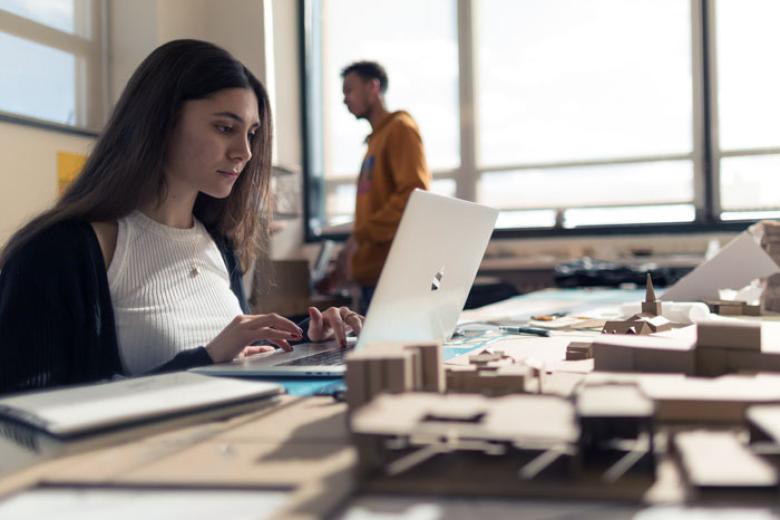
{"points": [[646, 322], [719, 347]]}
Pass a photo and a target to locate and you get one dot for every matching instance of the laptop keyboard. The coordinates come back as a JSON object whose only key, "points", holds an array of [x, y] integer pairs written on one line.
{"points": [[329, 358]]}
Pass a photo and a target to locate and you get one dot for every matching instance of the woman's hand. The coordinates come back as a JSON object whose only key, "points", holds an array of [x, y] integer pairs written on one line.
{"points": [[246, 329], [334, 322], [252, 350]]}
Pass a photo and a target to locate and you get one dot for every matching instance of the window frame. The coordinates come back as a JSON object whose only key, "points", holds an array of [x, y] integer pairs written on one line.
{"points": [[91, 86], [705, 156]]}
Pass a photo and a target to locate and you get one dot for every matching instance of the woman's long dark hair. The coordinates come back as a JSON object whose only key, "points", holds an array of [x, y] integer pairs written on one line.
{"points": [[125, 169]]}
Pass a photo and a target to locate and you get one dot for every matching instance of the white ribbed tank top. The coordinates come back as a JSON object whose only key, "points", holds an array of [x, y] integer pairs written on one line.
{"points": [[170, 290]]}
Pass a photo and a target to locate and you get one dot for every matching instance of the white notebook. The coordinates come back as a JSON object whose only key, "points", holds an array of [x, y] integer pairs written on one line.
{"points": [[89, 408]]}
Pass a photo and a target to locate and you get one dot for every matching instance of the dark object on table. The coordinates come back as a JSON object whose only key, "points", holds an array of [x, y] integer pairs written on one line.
{"points": [[587, 272], [487, 290]]}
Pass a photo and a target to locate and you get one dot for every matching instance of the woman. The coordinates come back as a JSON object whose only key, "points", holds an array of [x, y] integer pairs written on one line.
{"points": [[140, 261]]}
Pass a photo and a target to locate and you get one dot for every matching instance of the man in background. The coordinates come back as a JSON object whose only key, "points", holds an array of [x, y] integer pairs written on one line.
{"points": [[394, 165]]}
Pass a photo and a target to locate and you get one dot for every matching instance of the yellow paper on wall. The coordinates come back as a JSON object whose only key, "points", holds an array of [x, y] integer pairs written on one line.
{"points": [[69, 165]]}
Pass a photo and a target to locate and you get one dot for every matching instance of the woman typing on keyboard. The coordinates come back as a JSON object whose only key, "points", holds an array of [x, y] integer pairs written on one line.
{"points": [[137, 269]]}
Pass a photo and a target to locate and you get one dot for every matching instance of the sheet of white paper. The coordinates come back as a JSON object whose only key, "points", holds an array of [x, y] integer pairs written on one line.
{"points": [[738, 263], [149, 504], [545, 350]]}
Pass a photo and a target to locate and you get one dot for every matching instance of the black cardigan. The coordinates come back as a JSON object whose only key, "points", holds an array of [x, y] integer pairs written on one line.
{"points": [[56, 316]]}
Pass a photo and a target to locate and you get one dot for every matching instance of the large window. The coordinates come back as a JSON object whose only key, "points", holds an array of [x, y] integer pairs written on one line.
{"points": [[427, 86], [747, 109], [564, 114], [66, 36]]}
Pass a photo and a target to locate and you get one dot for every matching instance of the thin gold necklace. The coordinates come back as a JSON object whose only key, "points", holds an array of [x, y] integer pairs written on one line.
{"points": [[194, 269]]}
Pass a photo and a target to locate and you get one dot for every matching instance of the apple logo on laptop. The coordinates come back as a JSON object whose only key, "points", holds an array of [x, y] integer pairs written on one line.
{"points": [[436, 282]]}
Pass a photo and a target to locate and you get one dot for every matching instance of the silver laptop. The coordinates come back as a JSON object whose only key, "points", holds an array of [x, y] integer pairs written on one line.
{"points": [[89, 408], [431, 266]]}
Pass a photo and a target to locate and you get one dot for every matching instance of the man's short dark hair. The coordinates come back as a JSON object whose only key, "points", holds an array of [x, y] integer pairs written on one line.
{"points": [[368, 70]]}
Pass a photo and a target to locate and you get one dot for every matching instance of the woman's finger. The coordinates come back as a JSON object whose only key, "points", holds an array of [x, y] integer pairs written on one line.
{"points": [[316, 324], [275, 321], [333, 318], [271, 333], [355, 322]]}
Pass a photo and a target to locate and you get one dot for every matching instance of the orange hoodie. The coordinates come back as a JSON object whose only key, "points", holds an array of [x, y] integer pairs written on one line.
{"points": [[394, 165]]}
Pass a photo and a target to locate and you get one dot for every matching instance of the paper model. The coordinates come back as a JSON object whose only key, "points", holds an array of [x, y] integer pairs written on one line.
{"points": [[717, 461], [395, 434], [648, 321], [393, 368], [616, 414], [491, 373], [733, 308], [637, 325], [578, 350]]}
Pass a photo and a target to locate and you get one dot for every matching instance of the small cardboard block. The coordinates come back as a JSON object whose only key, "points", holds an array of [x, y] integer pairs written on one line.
{"points": [[577, 350], [729, 334], [726, 307], [730, 310], [717, 459]]}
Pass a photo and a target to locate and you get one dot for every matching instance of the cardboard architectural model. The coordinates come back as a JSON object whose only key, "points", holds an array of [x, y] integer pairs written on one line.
{"points": [[578, 350], [646, 322], [770, 242], [736, 467], [490, 373], [520, 445], [719, 347], [393, 368], [733, 308], [599, 443], [613, 415]]}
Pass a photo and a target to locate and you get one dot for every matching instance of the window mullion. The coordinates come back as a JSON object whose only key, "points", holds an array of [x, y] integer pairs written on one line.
{"points": [[709, 76], [36, 32], [466, 183]]}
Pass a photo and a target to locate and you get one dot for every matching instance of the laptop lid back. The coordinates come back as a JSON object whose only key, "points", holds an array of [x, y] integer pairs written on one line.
{"points": [[432, 264]]}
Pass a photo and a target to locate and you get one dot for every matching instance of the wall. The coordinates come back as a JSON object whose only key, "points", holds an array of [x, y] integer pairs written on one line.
{"points": [[287, 114], [138, 27], [28, 184]]}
